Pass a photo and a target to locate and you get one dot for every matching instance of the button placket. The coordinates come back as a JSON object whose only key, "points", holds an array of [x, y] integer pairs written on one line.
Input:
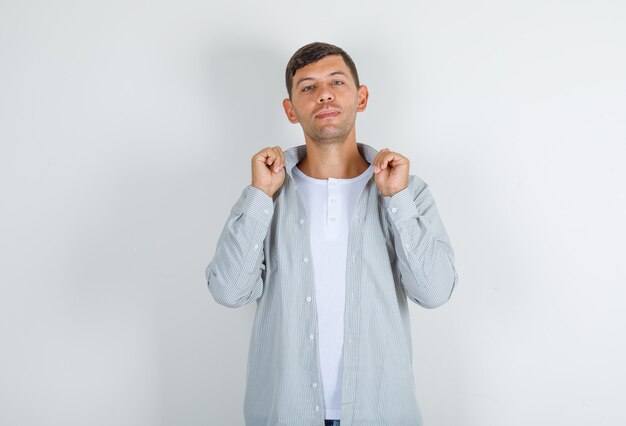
{"points": [[332, 205]]}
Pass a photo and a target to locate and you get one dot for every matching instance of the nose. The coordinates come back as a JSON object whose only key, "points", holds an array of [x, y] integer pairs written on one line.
{"points": [[326, 96]]}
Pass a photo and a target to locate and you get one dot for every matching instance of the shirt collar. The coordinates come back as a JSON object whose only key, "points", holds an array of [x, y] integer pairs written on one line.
{"points": [[295, 154]]}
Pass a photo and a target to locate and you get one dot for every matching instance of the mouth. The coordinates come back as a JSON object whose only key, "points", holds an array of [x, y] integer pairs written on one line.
{"points": [[327, 113]]}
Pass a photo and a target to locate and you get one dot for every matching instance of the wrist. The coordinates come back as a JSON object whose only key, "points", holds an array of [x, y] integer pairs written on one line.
{"points": [[262, 188], [395, 191]]}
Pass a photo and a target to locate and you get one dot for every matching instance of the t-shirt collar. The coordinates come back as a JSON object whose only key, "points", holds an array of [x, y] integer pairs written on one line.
{"points": [[295, 154]]}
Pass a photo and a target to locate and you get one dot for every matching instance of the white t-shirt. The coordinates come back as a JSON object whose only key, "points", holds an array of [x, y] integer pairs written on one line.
{"points": [[329, 204]]}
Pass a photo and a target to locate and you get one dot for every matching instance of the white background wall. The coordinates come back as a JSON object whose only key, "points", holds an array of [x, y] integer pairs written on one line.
{"points": [[126, 132]]}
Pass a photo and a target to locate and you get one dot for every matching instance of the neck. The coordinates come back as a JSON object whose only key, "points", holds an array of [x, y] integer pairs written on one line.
{"points": [[339, 159]]}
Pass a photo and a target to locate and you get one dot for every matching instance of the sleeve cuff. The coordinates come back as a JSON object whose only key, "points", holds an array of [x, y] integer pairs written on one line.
{"points": [[401, 205], [258, 205]]}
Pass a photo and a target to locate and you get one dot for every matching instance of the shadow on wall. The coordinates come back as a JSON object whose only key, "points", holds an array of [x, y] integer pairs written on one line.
{"points": [[246, 90], [244, 94], [159, 333]]}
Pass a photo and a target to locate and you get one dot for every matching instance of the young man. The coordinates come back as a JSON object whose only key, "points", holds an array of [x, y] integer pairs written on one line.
{"points": [[330, 239]]}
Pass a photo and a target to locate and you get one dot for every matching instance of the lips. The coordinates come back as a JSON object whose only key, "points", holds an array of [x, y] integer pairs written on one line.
{"points": [[327, 113]]}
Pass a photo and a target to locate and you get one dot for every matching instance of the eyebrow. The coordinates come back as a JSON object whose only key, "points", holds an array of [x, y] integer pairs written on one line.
{"points": [[311, 78]]}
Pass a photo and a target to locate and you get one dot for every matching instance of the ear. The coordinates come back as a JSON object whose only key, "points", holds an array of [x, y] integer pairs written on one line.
{"points": [[363, 95], [288, 106]]}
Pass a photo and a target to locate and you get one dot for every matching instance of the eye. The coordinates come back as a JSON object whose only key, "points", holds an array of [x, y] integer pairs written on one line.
{"points": [[337, 82], [307, 88]]}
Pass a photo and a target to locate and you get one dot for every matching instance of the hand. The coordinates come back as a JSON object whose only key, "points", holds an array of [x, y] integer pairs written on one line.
{"points": [[268, 171], [391, 172]]}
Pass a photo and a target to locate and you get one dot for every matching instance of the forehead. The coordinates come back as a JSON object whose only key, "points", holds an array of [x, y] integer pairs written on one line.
{"points": [[322, 67]]}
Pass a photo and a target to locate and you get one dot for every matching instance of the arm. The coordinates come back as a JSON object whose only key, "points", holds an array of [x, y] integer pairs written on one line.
{"points": [[425, 259], [235, 275]]}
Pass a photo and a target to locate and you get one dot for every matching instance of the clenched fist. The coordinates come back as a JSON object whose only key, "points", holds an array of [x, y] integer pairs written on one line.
{"points": [[268, 171], [391, 172]]}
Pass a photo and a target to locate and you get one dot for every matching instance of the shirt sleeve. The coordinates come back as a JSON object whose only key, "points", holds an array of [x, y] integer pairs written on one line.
{"points": [[235, 274], [425, 258]]}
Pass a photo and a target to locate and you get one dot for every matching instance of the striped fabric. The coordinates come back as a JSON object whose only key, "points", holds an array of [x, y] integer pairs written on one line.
{"points": [[398, 249]]}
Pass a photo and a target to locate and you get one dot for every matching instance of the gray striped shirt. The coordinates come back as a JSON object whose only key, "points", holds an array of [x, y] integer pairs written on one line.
{"points": [[397, 249]]}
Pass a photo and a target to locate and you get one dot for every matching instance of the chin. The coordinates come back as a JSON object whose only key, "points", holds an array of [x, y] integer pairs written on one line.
{"points": [[331, 134], [328, 137]]}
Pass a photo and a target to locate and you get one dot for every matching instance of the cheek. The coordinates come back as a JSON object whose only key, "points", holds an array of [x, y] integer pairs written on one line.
{"points": [[300, 110]]}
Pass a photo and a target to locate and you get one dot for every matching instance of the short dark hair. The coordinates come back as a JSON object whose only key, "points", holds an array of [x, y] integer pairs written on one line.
{"points": [[313, 52]]}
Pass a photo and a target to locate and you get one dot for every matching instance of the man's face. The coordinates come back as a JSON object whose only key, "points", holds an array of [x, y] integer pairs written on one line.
{"points": [[325, 100]]}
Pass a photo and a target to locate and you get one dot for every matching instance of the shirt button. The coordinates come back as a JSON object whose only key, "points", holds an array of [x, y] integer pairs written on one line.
{"points": [[407, 245], [306, 259], [393, 209], [267, 211], [301, 221], [311, 336], [308, 299], [256, 246], [317, 408], [314, 385]]}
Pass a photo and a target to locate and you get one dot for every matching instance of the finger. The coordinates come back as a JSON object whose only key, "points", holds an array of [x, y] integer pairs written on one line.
{"points": [[393, 159], [387, 157], [376, 161], [281, 156], [262, 156], [277, 162], [270, 156], [379, 159]]}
